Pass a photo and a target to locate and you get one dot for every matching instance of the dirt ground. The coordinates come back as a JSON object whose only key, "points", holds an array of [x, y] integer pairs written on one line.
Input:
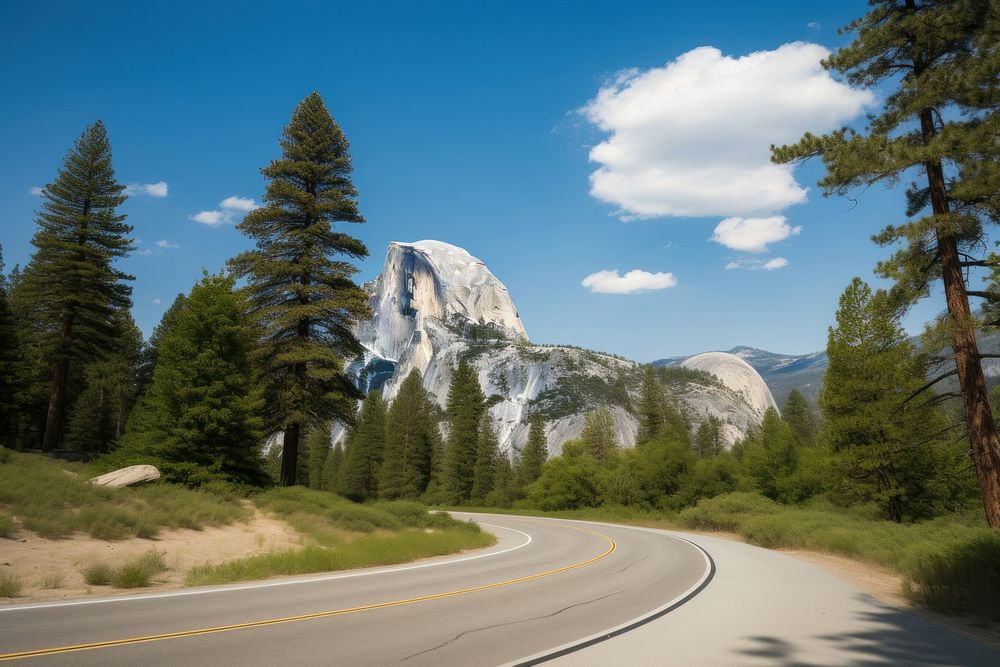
{"points": [[50, 569]]}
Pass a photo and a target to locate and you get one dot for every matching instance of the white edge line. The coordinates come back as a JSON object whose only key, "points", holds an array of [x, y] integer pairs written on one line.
{"points": [[636, 620], [272, 584]]}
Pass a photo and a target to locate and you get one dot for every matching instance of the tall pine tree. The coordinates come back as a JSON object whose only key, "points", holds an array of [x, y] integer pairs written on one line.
{"points": [[651, 406], [466, 407], [939, 60], [487, 459], [535, 451], [10, 355], [799, 415], [71, 275], [411, 436], [299, 287], [365, 444]]}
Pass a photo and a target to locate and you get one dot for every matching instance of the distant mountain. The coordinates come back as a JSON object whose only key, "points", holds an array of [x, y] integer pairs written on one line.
{"points": [[781, 372]]}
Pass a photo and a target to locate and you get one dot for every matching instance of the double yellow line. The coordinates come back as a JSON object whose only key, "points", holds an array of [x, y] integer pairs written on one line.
{"points": [[308, 617]]}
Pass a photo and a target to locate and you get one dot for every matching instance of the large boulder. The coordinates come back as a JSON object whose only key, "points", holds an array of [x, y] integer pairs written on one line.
{"points": [[127, 476]]}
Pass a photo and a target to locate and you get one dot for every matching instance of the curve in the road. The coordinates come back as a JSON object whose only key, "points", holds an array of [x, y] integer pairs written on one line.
{"points": [[612, 547]]}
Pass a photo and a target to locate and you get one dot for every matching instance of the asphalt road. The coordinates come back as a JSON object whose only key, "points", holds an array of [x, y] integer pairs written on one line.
{"points": [[575, 593], [546, 583]]}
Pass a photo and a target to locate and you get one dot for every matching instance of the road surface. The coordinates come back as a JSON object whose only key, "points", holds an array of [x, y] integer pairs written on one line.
{"points": [[550, 589]]}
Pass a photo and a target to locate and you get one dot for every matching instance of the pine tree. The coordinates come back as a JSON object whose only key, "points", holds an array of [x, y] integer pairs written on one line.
{"points": [[331, 468], [940, 59], [318, 448], [199, 420], [535, 451], [799, 415], [487, 456], [10, 355], [708, 440], [299, 286], [71, 275], [769, 456], [886, 449], [599, 434], [409, 442], [110, 390], [466, 407], [651, 407], [366, 442]]}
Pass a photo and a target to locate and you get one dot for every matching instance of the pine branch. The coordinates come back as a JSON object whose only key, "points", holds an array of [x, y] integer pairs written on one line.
{"points": [[928, 386]]}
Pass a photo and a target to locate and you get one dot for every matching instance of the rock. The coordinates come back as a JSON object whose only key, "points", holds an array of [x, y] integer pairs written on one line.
{"points": [[127, 476]]}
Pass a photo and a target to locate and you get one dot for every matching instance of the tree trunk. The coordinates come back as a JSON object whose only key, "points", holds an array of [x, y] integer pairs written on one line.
{"points": [[57, 392], [290, 455], [984, 445]]}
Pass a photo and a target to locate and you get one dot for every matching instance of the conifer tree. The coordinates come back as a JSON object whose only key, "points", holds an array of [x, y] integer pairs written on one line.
{"points": [[487, 456], [466, 406], [886, 450], [199, 420], [332, 467], [409, 442], [708, 439], [799, 415], [318, 448], [10, 354], [651, 406], [71, 275], [365, 443], [299, 287], [535, 451], [109, 392], [939, 58], [599, 434], [769, 455]]}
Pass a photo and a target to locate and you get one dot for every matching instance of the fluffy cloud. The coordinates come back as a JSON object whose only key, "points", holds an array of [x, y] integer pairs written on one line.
{"points": [[235, 203], [157, 301], [814, 25], [753, 234], [212, 218], [36, 190], [692, 138], [165, 244], [758, 264], [158, 189], [633, 282], [226, 212], [144, 252]]}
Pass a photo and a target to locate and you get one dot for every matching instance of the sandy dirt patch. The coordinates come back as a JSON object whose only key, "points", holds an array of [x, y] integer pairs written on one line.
{"points": [[50, 569]]}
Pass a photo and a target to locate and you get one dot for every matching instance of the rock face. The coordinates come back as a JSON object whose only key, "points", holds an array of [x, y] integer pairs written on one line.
{"points": [[737, 375], [127, 476], [435, 304]]}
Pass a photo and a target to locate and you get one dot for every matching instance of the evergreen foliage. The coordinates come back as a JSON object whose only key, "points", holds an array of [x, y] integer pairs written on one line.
{"points": [[888, 449], [466, 407], [410, 439], [937, 60], [770, 456], [535, 451], [299, 288], [487, 458], [10, 355], [318, 449], [71, 278], [199, 420], [708, 440], [651, 407], [799, 416], [332, 467], [363, 456], [598, 434]]}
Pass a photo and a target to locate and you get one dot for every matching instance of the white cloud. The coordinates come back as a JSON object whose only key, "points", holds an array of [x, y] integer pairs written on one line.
{"points": [[158, 189], [225, 216], [753, 234], [633, 282], [212, 218], [157, 301], [36, 190], [814, 25], [692, 138], [145, 252], [753, 264], [235, 203], [165, 244]]}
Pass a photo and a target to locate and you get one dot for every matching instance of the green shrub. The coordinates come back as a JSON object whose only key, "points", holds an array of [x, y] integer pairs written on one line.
{"points": [[97, 574], [10, 585], [727, 512], [962, 577], [137, 573], [7, 525]]}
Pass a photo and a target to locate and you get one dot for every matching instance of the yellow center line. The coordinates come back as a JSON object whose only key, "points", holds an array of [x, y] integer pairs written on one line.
{"points": [[307, 617]]}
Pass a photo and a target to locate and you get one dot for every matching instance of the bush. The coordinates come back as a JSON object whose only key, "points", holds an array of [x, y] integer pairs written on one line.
{"points": [[97, 574], [137, 573], [7, 525], [10, 585], [963, 577], [727, 512]]}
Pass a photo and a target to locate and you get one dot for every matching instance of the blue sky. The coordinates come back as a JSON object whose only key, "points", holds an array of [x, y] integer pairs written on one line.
{"points": [[466, 126]]}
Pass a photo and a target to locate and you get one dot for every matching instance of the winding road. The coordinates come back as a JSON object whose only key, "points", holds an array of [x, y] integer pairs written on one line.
{"points": [[549, 590]]}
